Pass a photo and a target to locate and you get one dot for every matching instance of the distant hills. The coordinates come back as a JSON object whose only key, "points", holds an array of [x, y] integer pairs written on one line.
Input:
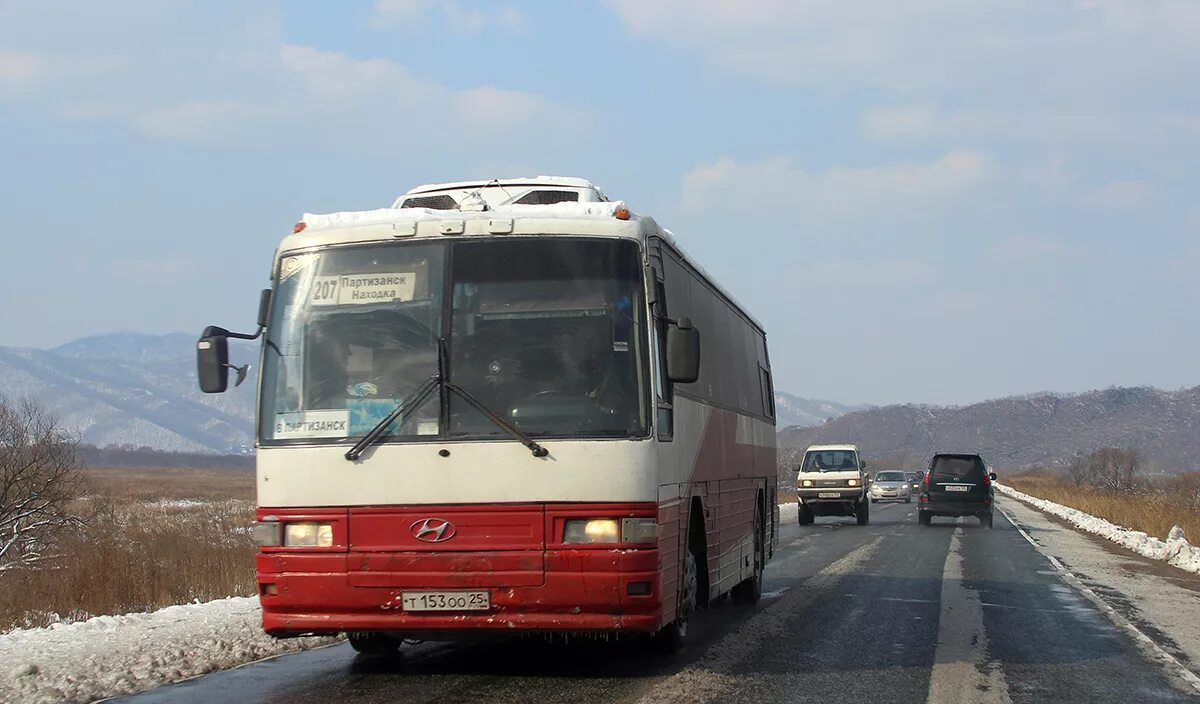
{"points": [[1024, 431], [133, 390], [130, 390], [793, 410]]}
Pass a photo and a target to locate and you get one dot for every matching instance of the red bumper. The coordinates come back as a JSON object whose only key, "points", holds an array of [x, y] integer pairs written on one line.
{"points": [[579, 590]]}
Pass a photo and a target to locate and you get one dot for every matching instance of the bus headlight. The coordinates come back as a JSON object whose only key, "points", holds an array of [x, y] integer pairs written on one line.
{"points": [[851, 482], [806, 483], [308, 535], [590, 530]]}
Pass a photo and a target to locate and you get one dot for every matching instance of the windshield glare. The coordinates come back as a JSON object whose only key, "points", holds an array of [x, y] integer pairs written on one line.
{"points": [[542, 331], [830, 461]]}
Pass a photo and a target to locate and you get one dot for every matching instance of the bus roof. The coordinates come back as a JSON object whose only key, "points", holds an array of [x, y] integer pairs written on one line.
{"points": [[548, 181], [495, 214]]}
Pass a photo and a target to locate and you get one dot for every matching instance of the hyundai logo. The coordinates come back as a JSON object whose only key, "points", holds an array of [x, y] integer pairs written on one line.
{"points": [[432, 530]]}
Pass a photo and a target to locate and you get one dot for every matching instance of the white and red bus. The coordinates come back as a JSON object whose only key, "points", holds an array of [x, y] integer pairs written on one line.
{"points": [[511, 406]]}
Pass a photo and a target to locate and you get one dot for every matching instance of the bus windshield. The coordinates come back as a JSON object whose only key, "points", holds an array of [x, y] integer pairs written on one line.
{"points": [[546, 332]]}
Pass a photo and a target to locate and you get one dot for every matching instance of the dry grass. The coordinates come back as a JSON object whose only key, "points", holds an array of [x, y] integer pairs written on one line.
{"points": [[153, 538], [155, 484], [1153, 511]]}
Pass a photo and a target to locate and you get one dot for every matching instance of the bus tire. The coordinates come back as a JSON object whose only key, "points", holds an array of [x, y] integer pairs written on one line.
{"points": [[373, 643], [748, 591], [673, 636], [863, 514], [805, 515]]}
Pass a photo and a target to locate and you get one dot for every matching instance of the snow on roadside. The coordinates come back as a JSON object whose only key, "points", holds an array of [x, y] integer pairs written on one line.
{"points": [[1175, 550], [107, 656]]}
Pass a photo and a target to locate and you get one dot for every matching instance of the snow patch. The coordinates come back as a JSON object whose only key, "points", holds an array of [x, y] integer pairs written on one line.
{"points": [[106, 656], [177, 503], [389, 216], [1175, 550]]}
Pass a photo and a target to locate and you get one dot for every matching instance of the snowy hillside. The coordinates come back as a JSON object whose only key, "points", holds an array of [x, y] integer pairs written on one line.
{"points": [[131, 389], [802, 412], [1024, 431]]}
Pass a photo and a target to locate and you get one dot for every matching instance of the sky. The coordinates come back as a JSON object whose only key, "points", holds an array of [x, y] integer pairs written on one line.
{"points": [[928, 201]]}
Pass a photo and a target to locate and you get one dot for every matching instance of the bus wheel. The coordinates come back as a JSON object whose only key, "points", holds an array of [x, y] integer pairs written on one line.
{"points": [[749, 590], [806, 515], [863, 514], [673, 636], [373, 643]]}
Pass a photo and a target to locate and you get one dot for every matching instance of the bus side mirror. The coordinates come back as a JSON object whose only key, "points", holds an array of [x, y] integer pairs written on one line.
{"points": [[264, 308], [683, 352], [212, 361]]}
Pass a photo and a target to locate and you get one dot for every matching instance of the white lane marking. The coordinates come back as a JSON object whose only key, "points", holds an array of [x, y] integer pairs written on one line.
{"points": [[961, 673], [897, 598], [1168, 661], [1070, 610]]}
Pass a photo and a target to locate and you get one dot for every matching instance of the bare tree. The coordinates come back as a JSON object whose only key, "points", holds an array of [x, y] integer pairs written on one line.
{"points": [[39, 478], [1115, 469], [1078, 470]]}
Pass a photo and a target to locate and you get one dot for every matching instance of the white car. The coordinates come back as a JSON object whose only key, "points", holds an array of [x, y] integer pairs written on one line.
{"points": [[832, 481], [891, 485]]}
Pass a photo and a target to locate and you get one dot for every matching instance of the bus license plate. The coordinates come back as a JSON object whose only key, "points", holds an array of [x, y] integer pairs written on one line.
{"points": [[958, 488], [829, 495], [446, 601]]}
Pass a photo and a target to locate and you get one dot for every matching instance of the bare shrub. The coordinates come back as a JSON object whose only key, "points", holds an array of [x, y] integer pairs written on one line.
{"points": [[1077, 470], [1154, 510], [40, 478], [1115, 469], [153, 538]]}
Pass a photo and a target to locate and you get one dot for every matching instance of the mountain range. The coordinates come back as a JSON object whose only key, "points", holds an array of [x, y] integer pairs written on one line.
{"points": [[127, 389], [132, 390], [1022, 431]]}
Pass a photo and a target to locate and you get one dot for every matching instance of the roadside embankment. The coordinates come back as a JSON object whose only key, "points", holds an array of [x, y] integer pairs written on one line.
{"points": [[1175, 550]]}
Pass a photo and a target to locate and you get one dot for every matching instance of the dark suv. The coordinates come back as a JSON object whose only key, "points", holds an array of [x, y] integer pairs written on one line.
{"points": [[957, 485]]}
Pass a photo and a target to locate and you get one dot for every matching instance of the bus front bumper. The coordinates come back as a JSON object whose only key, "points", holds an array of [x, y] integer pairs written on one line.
{"points": [[578, 591]]}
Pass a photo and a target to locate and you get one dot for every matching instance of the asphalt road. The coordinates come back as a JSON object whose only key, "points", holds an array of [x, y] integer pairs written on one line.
{"points": [[891, 612]]}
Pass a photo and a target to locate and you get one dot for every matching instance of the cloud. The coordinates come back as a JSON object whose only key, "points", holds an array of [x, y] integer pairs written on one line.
{"points": [[1119, 195], [1024, 250], [874, 275], [19, 69], [948, 71], [246, 86], [901, 46], [729, 184], [1039, 126], [453, 16], [193, 119]]}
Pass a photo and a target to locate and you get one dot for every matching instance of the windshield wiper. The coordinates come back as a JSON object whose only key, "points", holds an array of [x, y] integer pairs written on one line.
{"points": [[437, 383], [400, 413], [534, 447]]}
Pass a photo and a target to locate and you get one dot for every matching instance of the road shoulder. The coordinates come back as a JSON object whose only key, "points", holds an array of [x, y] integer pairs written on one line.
{"points": [[1161, 601]]}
